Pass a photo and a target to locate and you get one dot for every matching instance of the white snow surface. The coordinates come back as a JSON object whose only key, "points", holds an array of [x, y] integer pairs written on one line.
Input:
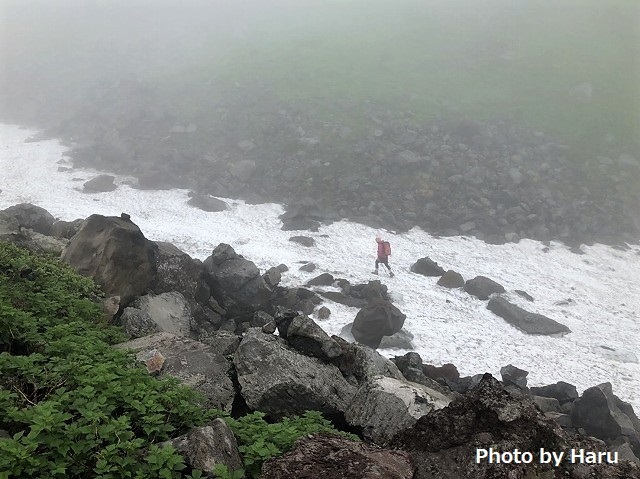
{"points": [[449, 325]]}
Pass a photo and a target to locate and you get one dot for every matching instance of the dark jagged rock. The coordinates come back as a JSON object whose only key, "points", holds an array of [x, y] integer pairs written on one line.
{"points": [[528, 322], [324, 313], [333, 457], [427, 267], [33, 217], [305, 335], [303, 240], [444, 443], [515, 376], [563, 392], [66, 229], [236, 283], [115, 254], [377, 319], [281, 381], [605, 416], [272, 277], [482, 287]]}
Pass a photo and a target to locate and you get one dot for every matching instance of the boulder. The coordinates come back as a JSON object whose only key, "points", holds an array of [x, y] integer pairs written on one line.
{"points": [[360, 363], [451, 279], [530, 323], [207, 203], [177, 271], [115, 254], [598, 411], [9, 228], [384, 406], [66, 229], [280, 381], [482, 287], [325, 279], [100, 184], [272, 277], [342, 298], [427, 267], [236, 283], [305, 335], [151, 313], [514, 376], [334, 457], [324, 313], [563, 392], [39, 243], [308, 267], [195, 364], [377, 319], [207, 446], [298, 299], [32, 217], [546, 404], [303, 240], [403, 339], [444, 443]]}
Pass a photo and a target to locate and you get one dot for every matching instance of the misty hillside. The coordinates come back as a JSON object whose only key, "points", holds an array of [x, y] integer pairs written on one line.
{"points": [[351, 105]]}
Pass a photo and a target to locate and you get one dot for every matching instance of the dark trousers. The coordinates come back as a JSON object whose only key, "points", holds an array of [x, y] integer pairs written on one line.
{"points": [[384, 261]]}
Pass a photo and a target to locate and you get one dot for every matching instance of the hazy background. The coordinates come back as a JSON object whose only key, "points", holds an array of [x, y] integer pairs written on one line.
{"points": [[571, 67]]}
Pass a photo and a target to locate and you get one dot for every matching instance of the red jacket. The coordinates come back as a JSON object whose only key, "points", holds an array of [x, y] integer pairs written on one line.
{"points": [[381, 253]]}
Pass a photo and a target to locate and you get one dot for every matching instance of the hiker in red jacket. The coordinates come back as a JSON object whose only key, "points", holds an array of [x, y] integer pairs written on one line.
{"points": [[384, 251]]}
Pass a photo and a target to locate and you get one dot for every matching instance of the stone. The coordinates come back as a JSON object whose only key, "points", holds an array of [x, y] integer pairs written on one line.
{"points": [[32, 217], [278, 380], [563, 392], [150, 314], [334, 457], [377, 319], [325, 279], [207, 446], [427, 267], [482, 287], [451, 279], [513, 375], [305, 335], [303, 240], [115, 254], [530, 323], [194, 364], [324, 313], [100, 184], [385, 406]]}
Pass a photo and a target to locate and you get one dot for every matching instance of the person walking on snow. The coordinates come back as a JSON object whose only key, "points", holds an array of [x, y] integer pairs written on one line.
{"points": [[384, 251]]}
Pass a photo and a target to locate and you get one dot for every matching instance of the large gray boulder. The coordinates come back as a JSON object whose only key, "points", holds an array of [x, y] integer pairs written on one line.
{"points": [[115, 254], [332, 457], [66, 229], [530, 323], [377, 319], [482, 287], [236, 283], [451, 279], [196, 365], [177, 271], [305, 335], [384, 406], [32, 217], [280, 381], [359, 363], [151, 313], [207, 446], [605, 416]]}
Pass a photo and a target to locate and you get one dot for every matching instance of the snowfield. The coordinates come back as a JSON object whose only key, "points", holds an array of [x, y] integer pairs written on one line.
{"points": [[595, 294]]}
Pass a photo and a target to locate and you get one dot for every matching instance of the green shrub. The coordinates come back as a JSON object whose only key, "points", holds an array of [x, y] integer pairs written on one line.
{"points": [[75, 407]]}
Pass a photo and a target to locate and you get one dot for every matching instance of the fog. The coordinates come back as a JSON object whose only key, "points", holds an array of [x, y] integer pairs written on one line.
{"points": [[353, 84]]}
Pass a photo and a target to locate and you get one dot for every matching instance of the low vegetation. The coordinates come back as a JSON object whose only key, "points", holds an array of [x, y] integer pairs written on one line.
{"points": [[71, 406]]}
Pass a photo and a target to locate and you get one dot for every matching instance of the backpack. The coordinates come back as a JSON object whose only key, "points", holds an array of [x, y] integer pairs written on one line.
{"points": [[387, 248]]}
